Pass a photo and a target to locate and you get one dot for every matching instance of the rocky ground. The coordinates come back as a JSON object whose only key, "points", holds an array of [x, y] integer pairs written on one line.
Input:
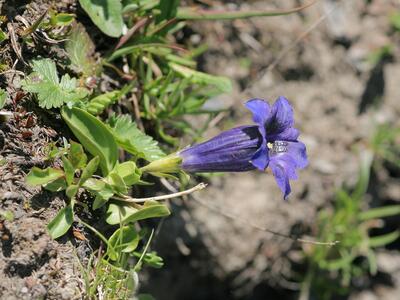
{"points": [[322, 60]]}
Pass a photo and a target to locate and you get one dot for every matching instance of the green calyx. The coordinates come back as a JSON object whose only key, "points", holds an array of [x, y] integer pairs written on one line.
{"points": [[165, 165]]}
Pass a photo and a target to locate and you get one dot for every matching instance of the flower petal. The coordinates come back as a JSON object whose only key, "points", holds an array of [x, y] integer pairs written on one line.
{"points": [[230, 151], [281, 121], [289, 134], [297, 150], [261, 158], [284, 165], [281, 178], [261, 112]]}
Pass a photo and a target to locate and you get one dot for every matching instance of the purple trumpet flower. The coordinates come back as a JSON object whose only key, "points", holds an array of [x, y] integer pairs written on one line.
{"points": [[272, 142]]}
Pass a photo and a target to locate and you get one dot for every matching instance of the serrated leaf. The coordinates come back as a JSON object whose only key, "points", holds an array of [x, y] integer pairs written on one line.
{"points": [[50, 91], [38, 176], [61, 223], [117, 214], [80, 50], [106, 14], [93, 135], [123, 240], [98, 104], [131, 139]]}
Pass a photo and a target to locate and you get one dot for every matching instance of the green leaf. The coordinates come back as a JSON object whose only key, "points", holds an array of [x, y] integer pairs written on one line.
{"points": [[3, 36], [379, 212], [98, 104], [76, 155], [7, 215], [94, 185], [61, 223], [3, 98], [102, 190], [153, 47], [106, 14], [90, 169], [168, 9], [129, 172], [69, 170], [80, 50], [395, 20], [50, 91], [71, 191], [123, 240], [117, 183], [373, 265], [336, 264], [153, 260], [363, 179], [117, 214], [101, 199], [223, 84], [383, 240], [57, 185], [61, 19], [131, 139], [93, 135], [38, 176]]}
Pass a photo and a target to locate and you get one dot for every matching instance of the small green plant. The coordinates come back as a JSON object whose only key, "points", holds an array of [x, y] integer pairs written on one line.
{"points": [[50, 90], [331, 270], [157, 81], [395, 20]]}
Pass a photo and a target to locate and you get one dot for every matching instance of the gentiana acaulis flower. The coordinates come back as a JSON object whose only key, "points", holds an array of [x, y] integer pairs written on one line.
{"points": [[272, 142]]}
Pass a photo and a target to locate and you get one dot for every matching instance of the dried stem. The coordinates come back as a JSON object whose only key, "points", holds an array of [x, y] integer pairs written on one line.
{"points": [[251, 224]]}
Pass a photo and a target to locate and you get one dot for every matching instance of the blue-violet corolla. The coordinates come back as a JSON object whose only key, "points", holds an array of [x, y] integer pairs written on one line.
{"points": [[272, 142]]}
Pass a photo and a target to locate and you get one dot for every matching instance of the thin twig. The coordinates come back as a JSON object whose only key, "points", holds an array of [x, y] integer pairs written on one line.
{"points": [[295, 42], [201, 15], [234, 218], [136, 111], [251, 224], [127, 199], [139, 24]]}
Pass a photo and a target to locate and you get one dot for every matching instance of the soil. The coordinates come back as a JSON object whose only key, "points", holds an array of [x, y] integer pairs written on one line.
{"points": [[339, 96]]}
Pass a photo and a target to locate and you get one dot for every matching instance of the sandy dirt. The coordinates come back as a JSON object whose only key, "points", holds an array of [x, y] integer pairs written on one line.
{"points": [[339, 96]]}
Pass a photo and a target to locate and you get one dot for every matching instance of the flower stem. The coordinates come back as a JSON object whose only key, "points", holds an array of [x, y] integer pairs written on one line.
{"points": [[128, 199]]}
